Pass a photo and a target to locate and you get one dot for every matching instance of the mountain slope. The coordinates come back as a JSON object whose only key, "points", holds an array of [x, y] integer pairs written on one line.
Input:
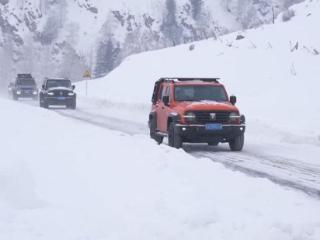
{"points": [[67, 37], [274, 72], [268, 66]]}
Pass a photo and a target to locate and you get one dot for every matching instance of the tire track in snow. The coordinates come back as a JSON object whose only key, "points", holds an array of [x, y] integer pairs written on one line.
{"points": [[283, 171], [111, 123], [286, 172]]}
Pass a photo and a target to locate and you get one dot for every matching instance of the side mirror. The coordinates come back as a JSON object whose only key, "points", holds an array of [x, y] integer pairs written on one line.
{"points": [[233, 100], [73, 87], [165, 100], [43, 87]]}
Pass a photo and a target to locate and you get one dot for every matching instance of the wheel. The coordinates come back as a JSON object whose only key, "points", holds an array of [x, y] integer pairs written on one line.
{"points": [[237, 143], [15, 97], [45, 104], [73, 105], [174, 139], [153, 134], [40, 102]]}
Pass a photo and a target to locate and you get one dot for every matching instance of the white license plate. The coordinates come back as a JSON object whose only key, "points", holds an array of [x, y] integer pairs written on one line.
{"points": [[214, 126]]}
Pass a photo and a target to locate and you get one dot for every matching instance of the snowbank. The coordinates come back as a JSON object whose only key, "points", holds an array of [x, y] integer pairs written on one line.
{"points": [[61, 179]]}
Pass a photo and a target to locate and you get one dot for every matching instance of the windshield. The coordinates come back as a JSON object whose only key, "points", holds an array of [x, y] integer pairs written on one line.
{"points": [[58, 83], [200, 93], [26, 81]]}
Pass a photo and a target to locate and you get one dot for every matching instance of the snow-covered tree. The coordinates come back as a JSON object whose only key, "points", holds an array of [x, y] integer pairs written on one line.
{"points": [[106, 59]]}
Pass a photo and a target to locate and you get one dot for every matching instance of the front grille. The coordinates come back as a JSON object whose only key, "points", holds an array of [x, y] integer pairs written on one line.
{"points": [[208, 117], [60, 93], [27, 90]]}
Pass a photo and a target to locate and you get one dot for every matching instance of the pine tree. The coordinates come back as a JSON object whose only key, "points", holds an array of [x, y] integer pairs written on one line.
{"points": [[106, 58]]}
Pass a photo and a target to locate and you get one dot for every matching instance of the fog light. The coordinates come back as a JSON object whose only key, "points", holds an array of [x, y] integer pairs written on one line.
{"points": [[184, 129]]}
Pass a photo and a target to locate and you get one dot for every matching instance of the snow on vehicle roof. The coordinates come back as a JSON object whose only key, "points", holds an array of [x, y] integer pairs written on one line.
{"points": [[58, 79], [196, 82]]}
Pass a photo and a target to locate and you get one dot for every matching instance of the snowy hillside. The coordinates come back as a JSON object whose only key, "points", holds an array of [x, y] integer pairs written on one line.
{"points": [[94, 173], [273, 70], [68, 37]]}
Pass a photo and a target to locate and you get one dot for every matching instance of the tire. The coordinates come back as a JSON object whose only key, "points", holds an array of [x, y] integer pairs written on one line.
{"points": [[45, 104], [153, 134], [174, 139], [213, 144], [15, 97], [73, 105], [237, 143], [41, 102]]}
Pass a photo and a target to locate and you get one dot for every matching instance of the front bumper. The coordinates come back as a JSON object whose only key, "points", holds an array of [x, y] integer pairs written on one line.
{"points": [[59, 101], [199, 134], [26, 94]]}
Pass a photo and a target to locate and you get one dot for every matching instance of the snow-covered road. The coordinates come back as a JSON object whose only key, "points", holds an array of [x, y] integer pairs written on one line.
{"points": [[282, 163], [61, 178]]}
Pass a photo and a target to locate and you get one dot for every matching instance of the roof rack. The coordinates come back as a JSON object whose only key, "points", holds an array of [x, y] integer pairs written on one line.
{"points": [[177, 79]]}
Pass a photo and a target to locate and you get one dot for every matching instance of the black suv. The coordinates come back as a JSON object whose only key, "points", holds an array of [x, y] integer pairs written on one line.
{"points": [[23, 87], [58, 92]]}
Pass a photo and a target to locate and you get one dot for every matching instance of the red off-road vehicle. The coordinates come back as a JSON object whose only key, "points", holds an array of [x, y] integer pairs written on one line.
{"points": [[195, 110]]}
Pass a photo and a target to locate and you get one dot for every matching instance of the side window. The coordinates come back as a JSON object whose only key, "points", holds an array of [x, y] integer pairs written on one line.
{"points": [[160, 92], [168, 91], [155, 93], [164, 91]]}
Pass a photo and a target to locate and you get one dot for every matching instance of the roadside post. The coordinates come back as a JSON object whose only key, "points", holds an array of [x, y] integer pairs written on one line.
{"points": [[87, 76]]}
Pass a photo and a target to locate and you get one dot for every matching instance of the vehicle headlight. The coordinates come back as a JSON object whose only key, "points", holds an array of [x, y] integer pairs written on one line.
{"points": [[190, 117], [35, 92], [18, 92], [50, 93], [70, 94], [234, 117]]}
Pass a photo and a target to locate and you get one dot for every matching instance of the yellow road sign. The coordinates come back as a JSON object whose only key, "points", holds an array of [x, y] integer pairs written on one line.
{"points": [[87, 74]]}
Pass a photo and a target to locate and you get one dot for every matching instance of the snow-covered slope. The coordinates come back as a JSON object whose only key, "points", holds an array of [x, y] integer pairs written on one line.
{"points": [[63, 179], [273, 71], [66, 180], [68, 37]]}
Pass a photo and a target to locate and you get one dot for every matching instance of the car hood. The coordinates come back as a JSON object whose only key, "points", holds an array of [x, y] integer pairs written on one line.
{"points": [[208, 106], [60, 88]]}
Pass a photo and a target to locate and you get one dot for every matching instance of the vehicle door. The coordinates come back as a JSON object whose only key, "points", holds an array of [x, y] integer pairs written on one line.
{"points": [[164, 110]]}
